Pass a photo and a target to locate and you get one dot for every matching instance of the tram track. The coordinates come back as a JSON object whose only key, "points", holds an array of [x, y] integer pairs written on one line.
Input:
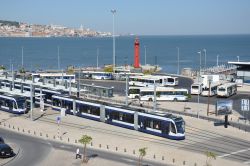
{"points": [[201, 141]]}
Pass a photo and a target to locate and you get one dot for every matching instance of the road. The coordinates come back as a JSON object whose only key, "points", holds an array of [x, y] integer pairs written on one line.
{"points": [[33, 151], [184, 82]]}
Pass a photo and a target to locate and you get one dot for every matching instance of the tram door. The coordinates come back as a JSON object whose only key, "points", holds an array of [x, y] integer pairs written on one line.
{"points": [[165, 127]]}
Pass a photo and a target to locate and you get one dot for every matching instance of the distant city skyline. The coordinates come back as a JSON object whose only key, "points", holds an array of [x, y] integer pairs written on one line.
{"points": [[161, 17]]}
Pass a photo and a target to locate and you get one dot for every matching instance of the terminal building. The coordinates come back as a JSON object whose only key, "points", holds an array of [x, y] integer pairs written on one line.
{"points": [[243, 71]]}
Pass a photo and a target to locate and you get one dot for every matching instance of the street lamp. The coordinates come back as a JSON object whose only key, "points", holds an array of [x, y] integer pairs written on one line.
{"points": [[97, 58], [238, 57], [58, 57], [22, 57], [145, 48], [113, 12], [205, 51], [178, 61], [200, 66], [218, 59]]}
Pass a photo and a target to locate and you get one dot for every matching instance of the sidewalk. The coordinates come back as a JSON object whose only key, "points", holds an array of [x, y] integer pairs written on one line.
{"points": [[120, 140]]}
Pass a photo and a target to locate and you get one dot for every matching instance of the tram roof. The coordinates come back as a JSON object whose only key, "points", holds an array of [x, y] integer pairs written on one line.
{"points": [[239, 63]]}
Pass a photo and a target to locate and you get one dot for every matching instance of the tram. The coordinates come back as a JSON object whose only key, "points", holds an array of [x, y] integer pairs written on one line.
{"points": [[155, 123], [13, 103]]}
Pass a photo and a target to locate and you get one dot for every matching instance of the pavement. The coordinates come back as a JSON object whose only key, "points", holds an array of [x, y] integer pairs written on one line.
{"points": [[232, 146]]}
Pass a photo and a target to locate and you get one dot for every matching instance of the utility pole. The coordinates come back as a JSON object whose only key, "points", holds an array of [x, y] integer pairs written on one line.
{"points": [[155, 96], [31, 102], [22, 57], [127, 89], [218, 59], [178, 61], [205, 51], [78, 84], [113, 12], [209, 93], [58, 57], [97, 58], [200, 67]]}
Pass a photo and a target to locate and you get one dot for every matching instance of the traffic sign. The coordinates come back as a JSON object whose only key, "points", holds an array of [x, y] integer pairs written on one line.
{"points": [[58, 119], [244, 104]]}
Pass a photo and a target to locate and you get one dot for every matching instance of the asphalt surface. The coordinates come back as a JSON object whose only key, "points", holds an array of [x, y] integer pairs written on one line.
{"points": [[184, 82], [34, 150]]}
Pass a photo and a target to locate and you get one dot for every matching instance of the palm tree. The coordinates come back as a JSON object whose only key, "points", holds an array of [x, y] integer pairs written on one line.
{"points": [[210, 155], [142, 152], [85, 140]]}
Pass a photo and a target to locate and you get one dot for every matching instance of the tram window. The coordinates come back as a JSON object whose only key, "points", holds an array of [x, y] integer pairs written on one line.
{"points": [[56, 102], [120, 116], [154, 124], [14, 105], [172, 128]]}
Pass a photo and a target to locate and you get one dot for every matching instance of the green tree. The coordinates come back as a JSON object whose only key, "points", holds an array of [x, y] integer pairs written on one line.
{"points": [[108, 69], [210, 156], [85, 140], [2, 67], [142, 153]]}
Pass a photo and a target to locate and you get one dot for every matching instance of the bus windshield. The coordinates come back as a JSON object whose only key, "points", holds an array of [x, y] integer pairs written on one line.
{"points": [[222, 89], [195, 87]]}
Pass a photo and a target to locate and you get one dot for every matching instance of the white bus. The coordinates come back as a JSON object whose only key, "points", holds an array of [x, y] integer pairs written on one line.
{"points": [[213, 89], [196, 88], [134, 92], [227, 90], [148, 81], [97, 75], [49, 77], [164, 94]]}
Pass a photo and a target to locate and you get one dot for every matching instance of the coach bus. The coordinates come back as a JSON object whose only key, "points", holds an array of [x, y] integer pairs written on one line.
{"points": [[150, 80], [164, 94], [227, 90]]}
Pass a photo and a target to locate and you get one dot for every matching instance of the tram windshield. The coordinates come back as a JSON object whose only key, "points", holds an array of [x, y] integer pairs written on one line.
{"points": [[180, 125], [21, 103]]}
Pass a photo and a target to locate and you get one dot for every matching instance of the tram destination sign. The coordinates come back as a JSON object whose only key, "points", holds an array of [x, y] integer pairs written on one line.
{"points": [[224, 107]]}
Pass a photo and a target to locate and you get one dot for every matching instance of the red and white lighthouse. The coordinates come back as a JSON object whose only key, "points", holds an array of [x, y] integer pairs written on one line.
{"points": [[137, 53]]}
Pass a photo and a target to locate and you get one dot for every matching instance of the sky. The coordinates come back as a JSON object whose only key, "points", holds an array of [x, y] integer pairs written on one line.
{"points": [[140, 17]]}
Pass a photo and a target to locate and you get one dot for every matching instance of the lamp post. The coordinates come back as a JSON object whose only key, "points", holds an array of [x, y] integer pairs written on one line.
{"points": [[154, 97], [127, 78], [218, 59], [209, 93], [58, 58], [97, 58], [238, 57], [145, 48], [113, 12], [178, 61], [22, 57], [205, 54], [200, 67]]}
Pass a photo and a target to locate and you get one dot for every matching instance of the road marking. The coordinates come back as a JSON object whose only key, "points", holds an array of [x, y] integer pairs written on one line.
{"points": [[239, 151]]}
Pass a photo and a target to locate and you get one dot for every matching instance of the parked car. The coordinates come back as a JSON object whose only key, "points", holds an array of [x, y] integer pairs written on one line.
{"points": [[6, 151], [1, 140]]}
